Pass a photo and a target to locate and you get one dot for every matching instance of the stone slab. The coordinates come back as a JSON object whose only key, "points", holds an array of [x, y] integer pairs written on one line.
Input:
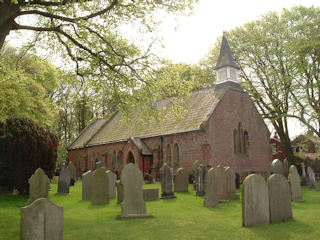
{"points": [[150, 194]]}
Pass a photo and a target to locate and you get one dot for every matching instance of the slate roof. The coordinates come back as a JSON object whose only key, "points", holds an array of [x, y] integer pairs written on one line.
{"points": [[226, 58], [198, 108]]}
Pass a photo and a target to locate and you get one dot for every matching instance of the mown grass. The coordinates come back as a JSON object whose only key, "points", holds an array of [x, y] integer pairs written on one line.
{"points": [[180, 218]]}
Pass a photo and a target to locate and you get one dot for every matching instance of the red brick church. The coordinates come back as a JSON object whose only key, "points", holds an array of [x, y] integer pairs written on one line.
{"points": [[221, 125]]}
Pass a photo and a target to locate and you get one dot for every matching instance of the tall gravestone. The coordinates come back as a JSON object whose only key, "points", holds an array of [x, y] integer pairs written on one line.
{"points": [[312, 179], [201, 181], [86, 185], [195, 173], [255, 201], [277, 167], [133, 205], [223, 184], [295, 184], [119, 191], [166, 176], [39, 185], [231, 183], [100, 187], [64, 181], [41, 220], [73, 171], [112, 184], [286, 167], [305, 180], [279, 198], [181, 180], [211, 199]]}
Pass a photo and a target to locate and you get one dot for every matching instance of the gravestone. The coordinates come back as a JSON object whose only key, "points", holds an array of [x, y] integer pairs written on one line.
{"points": [[41, 220], [295, 184], [223, 185], [166, 176], [279, 198], [39, 185], [195, 173], [255, 201], [72, 170], [181, 180], [231, 184], [312, 179], [211, 199], [286, 167], [100, 187], [100, 164], [277, 167], [305, 180], [119, 191], [64, 181], [237, 181], [150, 194], [86, 185], [132, 205], [201, 181], [112, 184]]}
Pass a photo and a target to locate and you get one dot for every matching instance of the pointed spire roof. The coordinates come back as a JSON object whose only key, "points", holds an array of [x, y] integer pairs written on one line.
{"points": [[225, 57]]}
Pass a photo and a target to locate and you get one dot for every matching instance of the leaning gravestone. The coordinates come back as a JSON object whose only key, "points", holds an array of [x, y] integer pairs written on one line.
{"points": [[255, 201], [86, 185], [295, 184], [277, 167], [231, 184], [312, 179], [195, 172], [181, 180], [100, 164], [112, 184], [100, 187], [211, 199], [132, 205], [166, 176], [39, 185], [279, 198], [119, 191], [41, 220], [286, 167], [201, 181], [72, 170], [64, 181], [223, 184]]}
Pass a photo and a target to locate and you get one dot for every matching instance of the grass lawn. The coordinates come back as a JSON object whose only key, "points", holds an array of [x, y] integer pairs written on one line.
{"points": [[180, 218]]}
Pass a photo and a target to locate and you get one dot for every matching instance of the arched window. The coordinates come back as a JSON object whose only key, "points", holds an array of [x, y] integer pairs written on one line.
{"points": [[168, 155], [120, 160], [235, 139], [114, 160], [176, 157], [240, 130], [130, 158], [246, 142]]}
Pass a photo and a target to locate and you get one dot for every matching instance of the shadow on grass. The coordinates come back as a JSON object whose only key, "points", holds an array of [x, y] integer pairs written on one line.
{"points": [[97, 206]]}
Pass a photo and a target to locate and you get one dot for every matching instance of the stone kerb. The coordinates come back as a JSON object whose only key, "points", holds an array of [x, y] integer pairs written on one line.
{"points": [[166, 176], [39, 185], [41, 220], [312, 179], [279, 198], [100, 189], [231, 183], [112, 183], [133, 205], [277, 167], [295, 184], [73, 171], [86, 185], [181, 180], [211, 198], [255, 201], [64, 181]]}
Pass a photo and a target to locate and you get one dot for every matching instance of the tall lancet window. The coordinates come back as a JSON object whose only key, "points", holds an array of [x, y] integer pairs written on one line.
{"points": [[240, 140]]}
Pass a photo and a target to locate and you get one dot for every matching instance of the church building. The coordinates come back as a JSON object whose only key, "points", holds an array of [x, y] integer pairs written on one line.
{"points": [[221, 125]]}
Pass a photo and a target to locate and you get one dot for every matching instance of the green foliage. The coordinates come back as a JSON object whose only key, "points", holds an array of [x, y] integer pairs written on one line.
{"points": [[24, 147]]}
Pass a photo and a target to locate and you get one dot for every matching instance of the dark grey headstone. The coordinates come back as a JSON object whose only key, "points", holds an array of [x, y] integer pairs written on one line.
{"points": [[119, 191], [312, 179], [64, 181], [39, 185], [166, 176], [195, 173], [73, 171], [112, 183]]}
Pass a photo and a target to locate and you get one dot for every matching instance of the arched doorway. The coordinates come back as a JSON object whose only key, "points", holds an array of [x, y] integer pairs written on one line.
{"points": [[130, 158]]}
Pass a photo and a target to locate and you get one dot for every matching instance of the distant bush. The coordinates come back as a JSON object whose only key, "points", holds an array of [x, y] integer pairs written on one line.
{"points": [[25, 146]]}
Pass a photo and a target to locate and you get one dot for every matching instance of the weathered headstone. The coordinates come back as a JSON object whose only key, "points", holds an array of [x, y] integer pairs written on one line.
{"points": [[277, 167], [305, 180], [211, 198], [231, 184], [112, 184], [100, 187], [255, 201], [132, 205], [39, 185], [119, 191], [223, 184], [150, 194], [181, 180], [41, 220], [166, 176], [64, 181], [295, 184], [86, 185], [286, 167], [279, 198], [237, 180], [73, 171], [201, 181], [195, 173], [312, 179], [100, 164]]}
